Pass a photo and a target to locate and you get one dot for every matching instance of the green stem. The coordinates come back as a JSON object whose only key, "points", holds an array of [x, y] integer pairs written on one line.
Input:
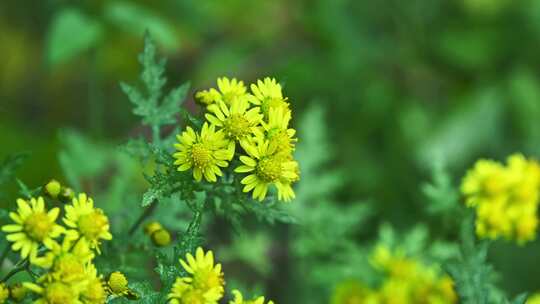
{"points": [[20, 266], [147, 212]]}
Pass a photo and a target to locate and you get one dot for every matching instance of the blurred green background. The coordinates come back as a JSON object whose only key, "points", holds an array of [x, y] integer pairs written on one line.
{"points": [[403, 85]]}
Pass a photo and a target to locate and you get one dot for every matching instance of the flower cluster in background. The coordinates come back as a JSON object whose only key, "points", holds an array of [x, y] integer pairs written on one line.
{"points": [[505, 197], [248, 129], [404, 280], [61, 254], [205, 282]]}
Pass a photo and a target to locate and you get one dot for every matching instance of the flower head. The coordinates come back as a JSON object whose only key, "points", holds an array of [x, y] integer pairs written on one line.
{"points": [[17, 292], [94, 292], [4, 293], [204, 284], [239, 299], [266, 168], [204, 152], [267, 94], [276, 130], [33, 226], [236, 120], [87, 222], [229, 91], [55, 292]]}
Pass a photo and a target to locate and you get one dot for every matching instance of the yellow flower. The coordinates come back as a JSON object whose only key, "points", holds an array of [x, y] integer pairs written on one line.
{"points": [[229, 90], [353, 292], [239, 299], [534, 299], [33, 226], [56, 292], [67, 262], [266, 168], [152, 227], [205, 282], [267, 94], [276, 130], [204, 152], [87, 222], [4, 293], [236, 120], [488, 179], [94, 291]]}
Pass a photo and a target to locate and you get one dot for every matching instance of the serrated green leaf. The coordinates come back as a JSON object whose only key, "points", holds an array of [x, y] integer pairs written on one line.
{"points": [[9, 166]]}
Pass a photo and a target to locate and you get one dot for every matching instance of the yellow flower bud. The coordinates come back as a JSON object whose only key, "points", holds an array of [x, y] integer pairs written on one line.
{"points": [[161, 237], [118, 283], [152, 227], [4, 293], [18, 292], [53, 188]]}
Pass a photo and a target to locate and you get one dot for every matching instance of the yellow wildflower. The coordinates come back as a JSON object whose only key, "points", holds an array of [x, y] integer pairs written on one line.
{"points": [[266, 168], [487, 180], [267, 94], [204, 152], [17, 292], [33, 226], [229, 90], [236, 120], [276, 130], [239, 299], [203, 285], [94, 291], [56, 292], [87, 222], [353, 292]]}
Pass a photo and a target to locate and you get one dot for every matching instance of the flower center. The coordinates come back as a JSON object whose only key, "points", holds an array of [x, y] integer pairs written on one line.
{"points": [[228, 97], [271, 102], [269, 169], [93, 224], [494, 185], [207, 279], [201, 155], [69, 266], [237, 126], [59, 293], [193, 296], [281, 139], [38, 226]]}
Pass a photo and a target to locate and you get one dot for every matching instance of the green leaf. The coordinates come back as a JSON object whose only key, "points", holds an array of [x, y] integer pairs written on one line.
{"points": [[443, 196], [9, 166], [155, 110], [70, 34]]}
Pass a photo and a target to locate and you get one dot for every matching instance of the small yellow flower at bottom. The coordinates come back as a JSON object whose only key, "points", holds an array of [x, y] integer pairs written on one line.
{"points": [[118, 283], [4, 293], [239, 299], [203, 285], [33, 226], [56, 292], [204, 152], [87, 222]]}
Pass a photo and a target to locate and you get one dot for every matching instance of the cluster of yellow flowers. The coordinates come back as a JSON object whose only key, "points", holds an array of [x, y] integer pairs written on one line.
{"points": [[252, 126], [407, 281], [505, 197], [205, 282], [64, 252]]}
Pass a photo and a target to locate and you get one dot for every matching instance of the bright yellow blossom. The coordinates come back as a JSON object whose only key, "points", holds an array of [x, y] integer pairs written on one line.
{"points": [[94, 291], [237, 120], [33, 226], [276, 130], [4, 293], [17, 292], [267, 94], [56, 292], [265, 168], [205, 282], [229, 91], [87, 222], [204, 152], [239, 299]]}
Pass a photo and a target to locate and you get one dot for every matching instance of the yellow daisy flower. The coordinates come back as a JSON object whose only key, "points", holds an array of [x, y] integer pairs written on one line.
{"points": [[239, 299], [229, 90], [33, 226], [17, 292], [276, 130], [237, 121], [67, 262], [266, 168], [87, 222], [204, 152], [56, 292], [205, 283], [94, 292], [488, 179], [267, 94]]}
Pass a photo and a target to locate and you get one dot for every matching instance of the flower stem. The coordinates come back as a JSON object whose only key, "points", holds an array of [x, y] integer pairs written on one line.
{"points": [[147, 212], [20, 266]]}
